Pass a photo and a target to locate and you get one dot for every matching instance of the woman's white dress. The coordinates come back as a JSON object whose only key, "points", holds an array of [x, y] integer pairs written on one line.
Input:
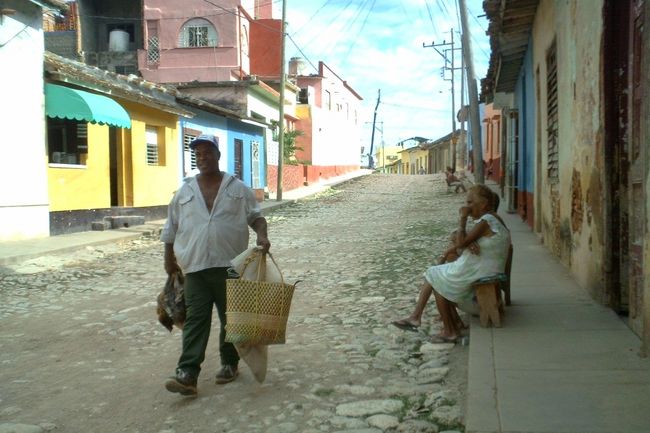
{"points": [[452, 280]]}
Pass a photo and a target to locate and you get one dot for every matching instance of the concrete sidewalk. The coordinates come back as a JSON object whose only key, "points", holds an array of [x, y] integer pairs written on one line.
{"points": [[17, 251], [561, 362]]}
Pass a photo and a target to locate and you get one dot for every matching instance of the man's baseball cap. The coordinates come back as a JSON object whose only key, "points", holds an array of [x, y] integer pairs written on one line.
{"points": [[205, 138]]}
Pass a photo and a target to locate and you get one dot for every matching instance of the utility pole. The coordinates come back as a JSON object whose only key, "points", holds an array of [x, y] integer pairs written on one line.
{"points": [[372, 138], [281, 114], [474, 117], [463, 139], [380, 129], [451, 68]]}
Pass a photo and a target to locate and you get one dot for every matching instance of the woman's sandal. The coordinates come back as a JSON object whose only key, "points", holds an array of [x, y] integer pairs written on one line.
{"points": [[440, 339], [404, 325]]}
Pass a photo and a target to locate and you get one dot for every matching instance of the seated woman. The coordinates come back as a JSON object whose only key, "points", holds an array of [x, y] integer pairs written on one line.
{"points": [[453, 181], [412, 323], [450, 282]]}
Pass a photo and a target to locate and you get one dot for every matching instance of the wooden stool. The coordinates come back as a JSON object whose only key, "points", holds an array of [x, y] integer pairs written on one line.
{"points": [[488, 297], [505, 286]]}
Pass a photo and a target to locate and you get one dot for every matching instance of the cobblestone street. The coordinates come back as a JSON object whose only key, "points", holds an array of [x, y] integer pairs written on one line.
{"points": [[81, 349]]}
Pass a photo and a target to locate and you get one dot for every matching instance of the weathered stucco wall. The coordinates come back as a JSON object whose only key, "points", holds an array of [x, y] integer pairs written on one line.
{"points": [[645, 141], [572, 211]]}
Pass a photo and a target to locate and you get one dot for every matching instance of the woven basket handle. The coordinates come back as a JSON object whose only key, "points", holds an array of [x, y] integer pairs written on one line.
{"points": [[276, 265], [261, 265], [248, 261]]}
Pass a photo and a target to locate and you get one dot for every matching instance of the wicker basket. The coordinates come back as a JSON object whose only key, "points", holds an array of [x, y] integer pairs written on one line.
{"points": [[257, 311]]}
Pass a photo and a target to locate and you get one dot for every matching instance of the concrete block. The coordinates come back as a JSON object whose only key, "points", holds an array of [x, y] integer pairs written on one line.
{"points": [[100, 225], [126, 221]]}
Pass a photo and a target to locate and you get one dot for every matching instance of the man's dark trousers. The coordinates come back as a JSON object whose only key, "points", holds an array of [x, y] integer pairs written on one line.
{"points": [[202, 290]]}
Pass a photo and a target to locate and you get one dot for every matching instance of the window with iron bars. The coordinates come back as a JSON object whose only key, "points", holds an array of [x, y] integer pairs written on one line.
{"points": [[552, 166], [151, 135], [153, 53], [198, 32], [189, 157]]}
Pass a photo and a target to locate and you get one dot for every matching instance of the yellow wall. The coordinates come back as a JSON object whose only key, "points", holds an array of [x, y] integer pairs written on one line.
{"points": [[139, 184], [88, 186], [390, 157], [413, 159], [421, 159], [148, 185]]}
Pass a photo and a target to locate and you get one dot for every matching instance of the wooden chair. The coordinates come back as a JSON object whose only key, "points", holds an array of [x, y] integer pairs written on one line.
{"points": [[488, 294], [456, 185]]}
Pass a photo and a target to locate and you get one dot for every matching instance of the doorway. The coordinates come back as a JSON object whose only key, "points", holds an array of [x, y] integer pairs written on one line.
{"points": [[625, 160], [112, 155]]}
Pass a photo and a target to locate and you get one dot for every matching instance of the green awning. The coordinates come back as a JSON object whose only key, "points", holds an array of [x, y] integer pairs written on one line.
{"points": [[73, 104]]}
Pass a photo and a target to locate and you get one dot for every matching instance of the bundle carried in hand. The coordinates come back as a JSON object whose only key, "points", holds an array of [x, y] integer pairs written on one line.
{"points": [[257, 309], [171, 302]]}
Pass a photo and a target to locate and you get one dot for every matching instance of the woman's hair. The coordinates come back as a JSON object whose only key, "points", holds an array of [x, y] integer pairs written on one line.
{"points": [[496, 202], [491, 197]]}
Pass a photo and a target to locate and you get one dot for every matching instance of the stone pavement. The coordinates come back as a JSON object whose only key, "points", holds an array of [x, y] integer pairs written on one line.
{"points": [[80, 343], [561, 363]]}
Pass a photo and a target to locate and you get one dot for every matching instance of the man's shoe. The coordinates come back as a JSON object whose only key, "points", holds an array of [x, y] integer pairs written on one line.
{"points": [[228, 373], [183, 383]]}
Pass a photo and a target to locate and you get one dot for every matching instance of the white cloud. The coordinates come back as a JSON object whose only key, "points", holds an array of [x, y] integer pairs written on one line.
{"points": [[386, 53]]}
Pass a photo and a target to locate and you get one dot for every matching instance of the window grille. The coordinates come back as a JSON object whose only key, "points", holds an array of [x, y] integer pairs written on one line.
{"points": [[151, 135], [190, 156], [552, 167], [153, 53], [255, 160], [197, 32], [82, 130]]}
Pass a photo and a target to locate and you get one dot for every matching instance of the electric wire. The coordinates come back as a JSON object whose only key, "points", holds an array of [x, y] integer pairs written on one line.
{"points": [[334, 18], [356, 38], [335, 45], [311, 17]]}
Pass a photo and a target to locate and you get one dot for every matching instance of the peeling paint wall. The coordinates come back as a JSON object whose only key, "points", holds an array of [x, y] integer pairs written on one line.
{"points": [[572, 208]]}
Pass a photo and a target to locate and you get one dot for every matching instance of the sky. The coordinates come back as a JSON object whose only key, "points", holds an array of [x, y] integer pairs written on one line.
{"points": [[378, 44]]}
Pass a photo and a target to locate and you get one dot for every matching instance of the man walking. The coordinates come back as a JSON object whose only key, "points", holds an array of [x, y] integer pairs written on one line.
{"points": [[207, 226]]}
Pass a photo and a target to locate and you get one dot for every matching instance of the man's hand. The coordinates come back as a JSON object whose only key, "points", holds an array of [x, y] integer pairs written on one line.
{"points": [[474, 248], [171, 266], [264, 243], [259, 227]]}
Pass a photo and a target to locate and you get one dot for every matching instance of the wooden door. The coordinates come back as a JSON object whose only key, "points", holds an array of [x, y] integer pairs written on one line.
{"points": [[636, 179], [625, 156]]}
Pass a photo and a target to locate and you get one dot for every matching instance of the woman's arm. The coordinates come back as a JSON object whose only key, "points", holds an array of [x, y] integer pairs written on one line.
{"points": [[463, 238]]}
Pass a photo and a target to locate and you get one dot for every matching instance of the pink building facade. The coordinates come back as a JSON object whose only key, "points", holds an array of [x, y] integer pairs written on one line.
{"points": [[329, 117], [194, 41]]}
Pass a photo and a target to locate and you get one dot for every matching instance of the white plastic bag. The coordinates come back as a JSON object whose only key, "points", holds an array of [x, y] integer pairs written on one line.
{"points": [[250, 273], [254, 355]]}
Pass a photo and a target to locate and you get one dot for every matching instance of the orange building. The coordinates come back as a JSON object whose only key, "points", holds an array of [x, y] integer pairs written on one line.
{"points": [[492, 143]]}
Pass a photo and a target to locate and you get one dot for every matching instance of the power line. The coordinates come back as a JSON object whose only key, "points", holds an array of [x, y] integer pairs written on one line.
{"points": [[312, 17], [415, 107], [363, 25], [329, 24], [302, 53], [344, 30], [446, 10], [433, 24]]}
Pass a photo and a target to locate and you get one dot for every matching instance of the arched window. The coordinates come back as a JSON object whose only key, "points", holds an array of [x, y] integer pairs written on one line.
{"points": [[197, 32]]}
